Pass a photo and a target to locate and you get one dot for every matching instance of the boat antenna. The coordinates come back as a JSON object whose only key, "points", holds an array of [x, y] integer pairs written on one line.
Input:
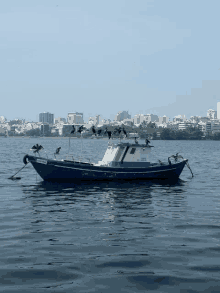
{"points": [[72, 132], [80, 130]]}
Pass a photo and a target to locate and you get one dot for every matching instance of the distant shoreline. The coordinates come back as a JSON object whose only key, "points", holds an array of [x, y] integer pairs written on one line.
{"points": [[104, 138]]}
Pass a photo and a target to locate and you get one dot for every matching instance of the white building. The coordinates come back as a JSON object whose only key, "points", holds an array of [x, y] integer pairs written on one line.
{"points": [[105, 122], [179, 118], [75, 118], [139, 118], [218, 110], [215, 127], [204, 126], [184, 125], [94, 120], [122, 115], [163, 119], [151, 118], [2, 119], [211, 114], [174, 126], [59, 120]]}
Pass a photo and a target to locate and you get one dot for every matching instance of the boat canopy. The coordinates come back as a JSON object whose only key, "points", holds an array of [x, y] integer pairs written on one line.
{"points": [[117, 154]]}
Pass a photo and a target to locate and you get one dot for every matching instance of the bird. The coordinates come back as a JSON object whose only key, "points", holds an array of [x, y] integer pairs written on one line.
{"points": [[176, 157], [73, 130], [147, 141], [81, 128], [57, 150], [124, 131], [36, 148], [93, 129], [117, 130], [99, 131], [109, 133]]}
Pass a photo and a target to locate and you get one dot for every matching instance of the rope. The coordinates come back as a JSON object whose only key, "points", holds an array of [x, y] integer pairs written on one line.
{"points": [[187, 164], [12, 177]]}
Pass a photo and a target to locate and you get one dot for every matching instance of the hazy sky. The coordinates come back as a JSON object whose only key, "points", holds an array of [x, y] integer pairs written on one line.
{"points": [[101, 57]]}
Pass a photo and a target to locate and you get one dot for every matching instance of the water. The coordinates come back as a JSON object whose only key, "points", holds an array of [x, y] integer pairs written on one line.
{"points": [[110, 237]]}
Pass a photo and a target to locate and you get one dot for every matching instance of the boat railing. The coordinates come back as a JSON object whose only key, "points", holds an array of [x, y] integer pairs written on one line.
{"points": [[71, 157]]}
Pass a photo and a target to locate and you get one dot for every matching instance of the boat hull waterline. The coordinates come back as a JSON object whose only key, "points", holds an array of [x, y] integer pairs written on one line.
{"points": [[55, 170]]}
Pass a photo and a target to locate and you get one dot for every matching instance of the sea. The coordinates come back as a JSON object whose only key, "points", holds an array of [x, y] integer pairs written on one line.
{"points": [[141, 236]]}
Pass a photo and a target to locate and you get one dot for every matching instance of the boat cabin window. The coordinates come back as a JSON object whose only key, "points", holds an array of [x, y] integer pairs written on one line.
{"points": [[132, 151]]}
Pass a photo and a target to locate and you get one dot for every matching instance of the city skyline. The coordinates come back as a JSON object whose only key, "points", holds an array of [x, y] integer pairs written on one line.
{"points": [[77, 117]]}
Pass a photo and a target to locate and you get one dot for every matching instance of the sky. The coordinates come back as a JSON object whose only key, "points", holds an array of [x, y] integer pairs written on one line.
{"points": [[101, 57]]}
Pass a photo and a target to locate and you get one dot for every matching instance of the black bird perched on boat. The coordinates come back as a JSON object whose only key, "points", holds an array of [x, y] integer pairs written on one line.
{"points": [[36, 148], [117, 130], [93, 129], [73, 130], [124, 131], [57, 151], [81, 128], [147, 142], [99, 131], [108, 132], [175, 157]]}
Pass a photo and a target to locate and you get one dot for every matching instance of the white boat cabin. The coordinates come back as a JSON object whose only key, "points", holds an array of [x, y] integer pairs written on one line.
{"points": [[126, 155]]}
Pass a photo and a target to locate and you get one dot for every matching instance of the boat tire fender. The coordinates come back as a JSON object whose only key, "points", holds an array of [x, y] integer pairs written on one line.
{"points": [[25, 159]]}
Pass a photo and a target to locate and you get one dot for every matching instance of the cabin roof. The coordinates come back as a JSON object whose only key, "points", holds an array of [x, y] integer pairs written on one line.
{"points": [[136, 145]]}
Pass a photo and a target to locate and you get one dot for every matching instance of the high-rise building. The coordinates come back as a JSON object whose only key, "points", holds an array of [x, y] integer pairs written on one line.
{"points": [[46, 117], [218, 110], [75, 118], [122, 115], [45, 129], [212, 114]]}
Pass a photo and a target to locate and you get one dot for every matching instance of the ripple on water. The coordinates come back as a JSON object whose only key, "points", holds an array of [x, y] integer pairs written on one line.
{"points": [[136, 236]]}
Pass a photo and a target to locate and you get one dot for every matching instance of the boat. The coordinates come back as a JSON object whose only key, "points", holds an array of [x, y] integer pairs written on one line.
{"points": [[122, 160]]}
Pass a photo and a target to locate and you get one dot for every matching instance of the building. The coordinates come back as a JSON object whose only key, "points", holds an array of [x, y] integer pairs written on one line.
{"points": [[128, 122], [195, 119], [163, 119], [59, 120], [45, 129], [94, 120], [173, 126], [122, 115], [215, 127], [204, 119], [75, 118], [46, 117], [218, 110], [2, 119], [184, 125], [105, 122], [139, 118], [179, 118], [151, 118], [205, 126], [211, 114]]}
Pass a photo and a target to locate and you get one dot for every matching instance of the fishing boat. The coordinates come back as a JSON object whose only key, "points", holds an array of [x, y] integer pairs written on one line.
{"points": [[122, 160]]}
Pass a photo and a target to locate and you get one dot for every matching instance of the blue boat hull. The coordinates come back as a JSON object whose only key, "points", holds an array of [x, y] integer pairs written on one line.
{"points": [[54, 170]]}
